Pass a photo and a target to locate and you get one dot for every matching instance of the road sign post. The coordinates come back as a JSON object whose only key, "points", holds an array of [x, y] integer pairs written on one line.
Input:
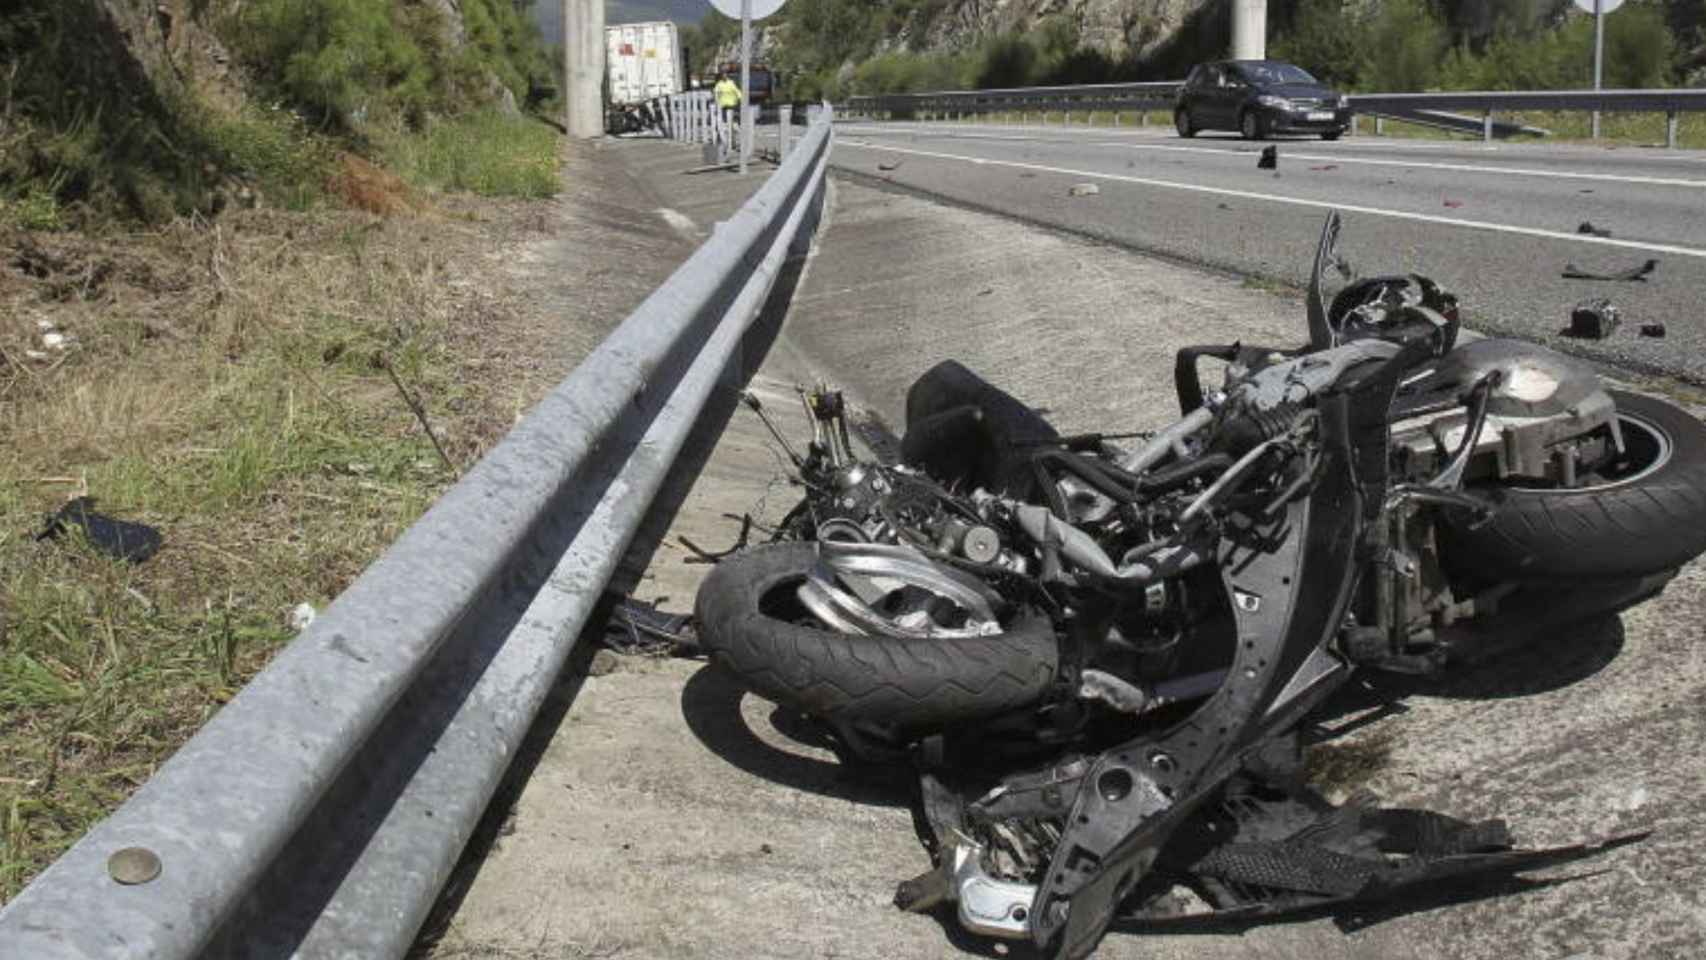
{"points": [[1599, 8], [746, 11]]}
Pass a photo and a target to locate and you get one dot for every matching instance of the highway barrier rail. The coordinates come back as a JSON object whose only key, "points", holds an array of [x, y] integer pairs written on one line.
{"points": [[1116, 97], [320, 812]]}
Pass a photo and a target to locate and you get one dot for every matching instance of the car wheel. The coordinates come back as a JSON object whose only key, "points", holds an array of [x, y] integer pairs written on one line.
{"points": [[1252, 127], [1182, 123]]}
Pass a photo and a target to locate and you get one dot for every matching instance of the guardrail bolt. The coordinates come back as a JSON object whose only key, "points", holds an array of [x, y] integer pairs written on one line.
{"points": [[133, 865]]}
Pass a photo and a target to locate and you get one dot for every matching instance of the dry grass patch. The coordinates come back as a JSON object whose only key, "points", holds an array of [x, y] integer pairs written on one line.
{"points": [[231, 386]]}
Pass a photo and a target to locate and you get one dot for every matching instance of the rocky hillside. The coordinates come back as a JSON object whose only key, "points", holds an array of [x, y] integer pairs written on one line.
{"points": [[1119, 29], [149, 108], [836, 47]]}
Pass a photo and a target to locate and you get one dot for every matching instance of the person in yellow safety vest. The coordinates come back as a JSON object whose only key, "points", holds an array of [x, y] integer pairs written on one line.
{"points": [[728, 97]]}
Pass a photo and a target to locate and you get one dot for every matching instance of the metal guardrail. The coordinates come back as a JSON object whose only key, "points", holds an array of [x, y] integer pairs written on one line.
{"points": [[1094, 97], [1149, 96], [319, 813]]}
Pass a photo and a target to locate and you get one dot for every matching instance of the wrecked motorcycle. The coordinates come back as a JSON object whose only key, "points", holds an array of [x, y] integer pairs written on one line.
{"points": [[1099, 657]]}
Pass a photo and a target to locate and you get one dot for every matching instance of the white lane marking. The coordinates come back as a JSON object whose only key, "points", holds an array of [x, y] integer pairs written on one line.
{"points": [[1342, 158], [1569, 150], [1429, 165], [1296, 201]]}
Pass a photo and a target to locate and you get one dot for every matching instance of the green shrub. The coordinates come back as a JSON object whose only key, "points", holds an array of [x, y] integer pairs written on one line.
{"points": [[1402, 45]]}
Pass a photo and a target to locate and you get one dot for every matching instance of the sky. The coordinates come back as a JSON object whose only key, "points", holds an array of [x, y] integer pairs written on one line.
{"points": [[549, 13]]}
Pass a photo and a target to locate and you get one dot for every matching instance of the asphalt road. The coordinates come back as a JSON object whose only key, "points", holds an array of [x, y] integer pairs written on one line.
{"points": [[1497, 224]]}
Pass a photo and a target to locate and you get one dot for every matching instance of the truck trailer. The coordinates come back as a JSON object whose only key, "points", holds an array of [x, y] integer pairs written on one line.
{"points": [[644, 62]]}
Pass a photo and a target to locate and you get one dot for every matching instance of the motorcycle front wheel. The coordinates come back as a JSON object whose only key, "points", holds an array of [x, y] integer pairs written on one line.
{"points": [[753, 624], [1644, 515]]}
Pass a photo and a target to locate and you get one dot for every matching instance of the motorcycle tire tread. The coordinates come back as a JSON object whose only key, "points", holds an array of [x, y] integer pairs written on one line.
{"points": [[886, 683], [1648, 526]]}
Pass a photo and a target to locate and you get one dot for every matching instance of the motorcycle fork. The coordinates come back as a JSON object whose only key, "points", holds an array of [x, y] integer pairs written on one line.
{"points": [[1405, 592]]}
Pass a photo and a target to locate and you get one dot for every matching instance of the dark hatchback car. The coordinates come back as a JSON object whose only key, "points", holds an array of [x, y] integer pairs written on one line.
{"points": [[1258, 98]]}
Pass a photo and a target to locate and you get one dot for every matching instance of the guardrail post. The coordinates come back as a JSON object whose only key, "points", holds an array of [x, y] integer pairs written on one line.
{"points": [[1143, 118], [1670, 130], [1116, 118], [785, 119], [1487, 127], [1380, 126]]}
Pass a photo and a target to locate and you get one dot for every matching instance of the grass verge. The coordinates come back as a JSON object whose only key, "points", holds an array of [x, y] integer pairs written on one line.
{"points": [[484, 153], [231, 385]]}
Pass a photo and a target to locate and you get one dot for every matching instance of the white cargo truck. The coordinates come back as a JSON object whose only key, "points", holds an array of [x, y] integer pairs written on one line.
{"points": [[645, 61]]}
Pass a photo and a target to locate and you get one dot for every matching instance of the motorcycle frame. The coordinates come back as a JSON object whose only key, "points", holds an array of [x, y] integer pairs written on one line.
{"points": [[1291, 580]]}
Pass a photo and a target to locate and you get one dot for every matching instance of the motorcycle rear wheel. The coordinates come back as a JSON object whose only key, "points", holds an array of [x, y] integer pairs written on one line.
{"points": [[753, 626], [1646, 517]]}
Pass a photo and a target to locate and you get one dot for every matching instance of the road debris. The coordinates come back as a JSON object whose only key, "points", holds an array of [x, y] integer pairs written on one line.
{"points": [[639, 627], [1084, 190], [887, 165], [120, 539], [1326, 166], [1588, 229], [1269, 159], [1593, 319], [1573, 272], [1453, 204], [1656, 330], [301, 616]]}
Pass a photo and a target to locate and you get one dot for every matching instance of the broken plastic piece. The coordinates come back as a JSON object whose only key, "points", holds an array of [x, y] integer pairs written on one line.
{"points": [[1269, 160], [1084, 190], [1573, 272], [120, 539], [1593, 319], [1591, 230], [637, 626], [1653, 330]]}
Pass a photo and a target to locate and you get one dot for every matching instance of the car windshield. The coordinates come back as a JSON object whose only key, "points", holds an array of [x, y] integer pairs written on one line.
{"points": [[1274, 73]]}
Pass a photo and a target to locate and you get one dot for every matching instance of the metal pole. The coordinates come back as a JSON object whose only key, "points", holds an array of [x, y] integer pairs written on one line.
{"points": [[583, 67], [1249, 29], [1598, 54], [745, 80]]}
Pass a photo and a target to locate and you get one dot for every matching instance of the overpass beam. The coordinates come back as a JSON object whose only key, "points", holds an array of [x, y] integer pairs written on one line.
{"points": [[1249, 29], [583, 67]]}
